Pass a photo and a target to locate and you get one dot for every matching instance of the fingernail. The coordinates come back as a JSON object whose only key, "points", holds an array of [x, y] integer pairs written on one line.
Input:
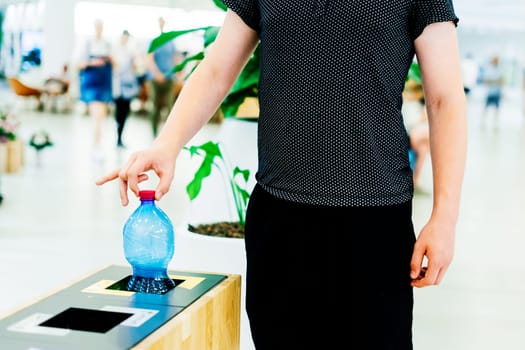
{"points": [[413, 274]]}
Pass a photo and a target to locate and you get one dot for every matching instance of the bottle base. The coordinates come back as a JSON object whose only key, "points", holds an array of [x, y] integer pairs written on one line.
{"points": [[150, 285]]}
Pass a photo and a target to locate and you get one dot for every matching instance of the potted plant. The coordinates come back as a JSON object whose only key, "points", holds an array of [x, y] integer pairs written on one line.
{"points": [[215, 156], [10, 149], [236, 181], [11, 152], [8, 127], [40, 140]]}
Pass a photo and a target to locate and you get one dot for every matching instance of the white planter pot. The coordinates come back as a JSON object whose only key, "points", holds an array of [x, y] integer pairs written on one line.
{"points": [[203, 253]]}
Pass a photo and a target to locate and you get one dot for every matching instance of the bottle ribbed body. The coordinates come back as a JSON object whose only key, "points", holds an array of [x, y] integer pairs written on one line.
{"points": [[149, 245]]}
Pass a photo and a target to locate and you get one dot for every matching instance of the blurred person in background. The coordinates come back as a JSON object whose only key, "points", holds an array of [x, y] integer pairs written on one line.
{"points": [[469, 73], [163, 81], [493, 79], [95, 65], [523, 91], [126, 84]]}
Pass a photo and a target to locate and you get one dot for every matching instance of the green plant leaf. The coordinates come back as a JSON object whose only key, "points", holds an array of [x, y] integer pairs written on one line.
{"points": [[210, 34], [414, 73], [244, 172], [249, 76], [220, 5], [241, 196], [244, 194], [241, 207], [246, 85], [197, 57], [233, 101], [9, 135], [166, 37], [209, 151], [194, 187]]}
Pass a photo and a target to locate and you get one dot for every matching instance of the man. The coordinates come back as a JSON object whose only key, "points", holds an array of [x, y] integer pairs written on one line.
{"points": [[333, 198], [160, 66], [126, 84], [469, 73], [494, 80], [95, 64]]}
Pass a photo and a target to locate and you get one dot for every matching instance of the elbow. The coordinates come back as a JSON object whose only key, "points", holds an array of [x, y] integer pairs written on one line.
{"points": [[216, 74], [449, 101]]}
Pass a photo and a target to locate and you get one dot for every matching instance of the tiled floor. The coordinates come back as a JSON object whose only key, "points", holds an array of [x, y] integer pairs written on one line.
{"points": [[56, 225]]}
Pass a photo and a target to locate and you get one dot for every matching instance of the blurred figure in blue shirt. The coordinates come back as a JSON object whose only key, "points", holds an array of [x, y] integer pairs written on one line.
{"points": [[160, 65], [493, 78]]}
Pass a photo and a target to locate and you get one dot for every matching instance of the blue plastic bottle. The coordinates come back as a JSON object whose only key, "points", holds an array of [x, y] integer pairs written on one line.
{"points": [[149, 244]]}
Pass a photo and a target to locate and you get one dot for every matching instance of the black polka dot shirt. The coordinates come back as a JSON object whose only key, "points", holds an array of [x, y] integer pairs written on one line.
{"points": [[330, 127]]}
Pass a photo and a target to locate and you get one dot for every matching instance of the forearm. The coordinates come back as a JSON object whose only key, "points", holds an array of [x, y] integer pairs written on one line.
{"points": [[197, 102], [448, 148]]}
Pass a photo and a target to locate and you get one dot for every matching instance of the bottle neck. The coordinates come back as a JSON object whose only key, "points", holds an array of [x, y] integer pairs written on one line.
{"points": [[147, 202], [150, 272]]}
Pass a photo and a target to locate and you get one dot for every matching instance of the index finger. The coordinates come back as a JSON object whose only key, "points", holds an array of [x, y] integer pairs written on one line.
{"points": [[109, 177]]}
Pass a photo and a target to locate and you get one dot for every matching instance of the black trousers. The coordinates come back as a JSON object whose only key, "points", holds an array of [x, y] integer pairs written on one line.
{"points": [[328, 277], [122, 109]]}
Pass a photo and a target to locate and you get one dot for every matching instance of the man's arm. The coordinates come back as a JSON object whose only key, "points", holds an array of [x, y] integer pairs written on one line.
{"points": [[438, 56], [154, 69], [199, 99]]}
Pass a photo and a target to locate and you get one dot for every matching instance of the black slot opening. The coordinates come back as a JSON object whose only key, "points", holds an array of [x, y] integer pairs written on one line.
{"points": [[88, 320]]}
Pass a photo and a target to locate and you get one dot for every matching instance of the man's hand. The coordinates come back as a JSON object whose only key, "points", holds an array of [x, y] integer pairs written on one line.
{"points": [[436, 243]]}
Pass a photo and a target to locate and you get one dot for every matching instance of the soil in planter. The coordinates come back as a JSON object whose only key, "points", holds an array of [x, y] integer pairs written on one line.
{"points": [[219, 229]]}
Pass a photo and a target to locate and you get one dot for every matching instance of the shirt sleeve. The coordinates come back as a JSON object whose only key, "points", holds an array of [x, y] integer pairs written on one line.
{"points": [[426, 12], [248, 10]]}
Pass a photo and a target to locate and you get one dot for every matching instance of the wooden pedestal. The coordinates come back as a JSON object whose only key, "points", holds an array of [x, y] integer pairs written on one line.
{"points": [[11, 156], [212, 322]]}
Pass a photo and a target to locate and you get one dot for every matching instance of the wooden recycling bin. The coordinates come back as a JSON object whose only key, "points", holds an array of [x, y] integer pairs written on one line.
{"points": [[202, 312]]}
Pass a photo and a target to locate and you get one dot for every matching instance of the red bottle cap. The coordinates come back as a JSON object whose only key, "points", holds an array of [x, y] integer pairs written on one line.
{"points": [[147, 194]]}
